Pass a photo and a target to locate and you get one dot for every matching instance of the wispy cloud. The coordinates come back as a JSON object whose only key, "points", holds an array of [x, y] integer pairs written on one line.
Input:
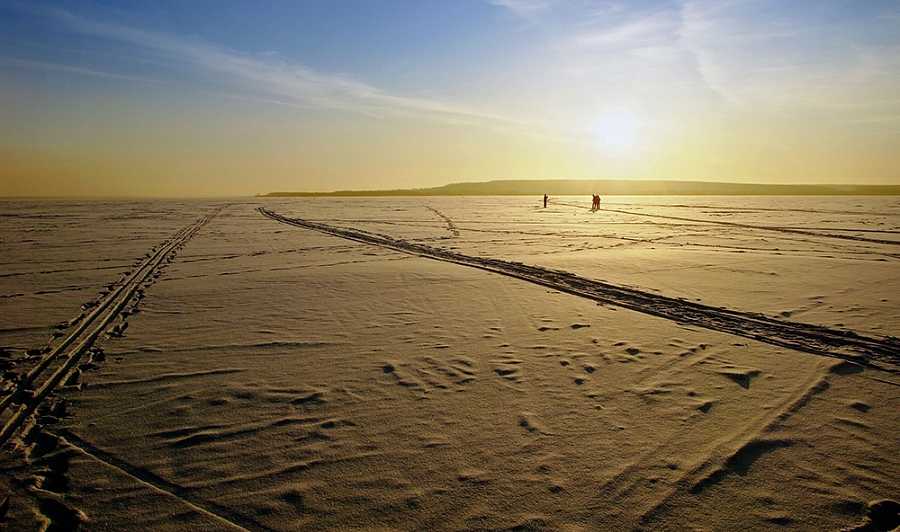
{"points": [[761, 51], [533, 9], [656, 28], [264, 77], [55, 67], [816, 55], [527, 9]]}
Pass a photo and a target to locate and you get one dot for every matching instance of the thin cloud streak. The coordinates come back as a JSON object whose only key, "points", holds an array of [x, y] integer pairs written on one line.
{"points": [[751, 52], [54, 67], [655, 29], [748, 52], [293, 84], [526, 9]]}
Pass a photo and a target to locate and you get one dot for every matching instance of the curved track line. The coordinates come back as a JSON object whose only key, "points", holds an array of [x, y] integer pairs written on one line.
{"points": [[450, 225], [878, 352], [92, 325]]}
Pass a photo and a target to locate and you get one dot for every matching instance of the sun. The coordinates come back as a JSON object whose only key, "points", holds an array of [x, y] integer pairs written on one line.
{"points": [[617, 128]]}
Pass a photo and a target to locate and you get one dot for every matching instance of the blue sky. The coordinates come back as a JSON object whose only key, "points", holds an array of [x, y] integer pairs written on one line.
{"points": [[226, 97]]}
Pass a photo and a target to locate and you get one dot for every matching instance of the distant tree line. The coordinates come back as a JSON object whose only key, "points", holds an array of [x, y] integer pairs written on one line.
{"points": [[573, 187]]}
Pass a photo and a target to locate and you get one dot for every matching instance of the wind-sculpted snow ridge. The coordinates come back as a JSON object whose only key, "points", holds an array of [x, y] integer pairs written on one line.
{"points": [[63, 363], [878, 352]]}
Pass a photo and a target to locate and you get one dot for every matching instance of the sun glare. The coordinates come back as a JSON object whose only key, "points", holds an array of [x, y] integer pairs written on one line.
{"points": [[617, 128]]}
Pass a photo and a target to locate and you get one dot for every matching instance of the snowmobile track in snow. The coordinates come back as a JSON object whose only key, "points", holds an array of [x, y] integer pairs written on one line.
{"points": [[877, 352]]}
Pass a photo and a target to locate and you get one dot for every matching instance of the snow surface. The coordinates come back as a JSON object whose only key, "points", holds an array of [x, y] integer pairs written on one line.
{"points": [[275, 377]]}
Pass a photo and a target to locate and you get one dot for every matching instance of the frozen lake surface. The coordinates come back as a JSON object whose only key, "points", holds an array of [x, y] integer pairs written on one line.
{"points": [[453, 363]]}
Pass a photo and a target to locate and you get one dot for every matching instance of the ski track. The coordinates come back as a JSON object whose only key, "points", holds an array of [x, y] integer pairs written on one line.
{"points": [[788, 230], [732, 210], [881, 353], [222, 516], [575, 234], [88, 327]]}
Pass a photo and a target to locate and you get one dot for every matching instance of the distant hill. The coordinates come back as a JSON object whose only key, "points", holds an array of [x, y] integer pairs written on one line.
{"points": [[571, 187]]}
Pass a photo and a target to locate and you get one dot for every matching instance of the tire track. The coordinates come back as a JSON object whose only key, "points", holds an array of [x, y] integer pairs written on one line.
{"points": [[87, 331], [879, 352]]}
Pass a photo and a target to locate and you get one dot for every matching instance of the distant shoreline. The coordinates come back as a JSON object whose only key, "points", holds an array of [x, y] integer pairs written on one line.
{"points": [[564, 187]]}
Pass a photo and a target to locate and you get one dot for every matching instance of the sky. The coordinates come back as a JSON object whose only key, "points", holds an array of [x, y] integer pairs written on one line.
{"points": [[226, 98]]}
